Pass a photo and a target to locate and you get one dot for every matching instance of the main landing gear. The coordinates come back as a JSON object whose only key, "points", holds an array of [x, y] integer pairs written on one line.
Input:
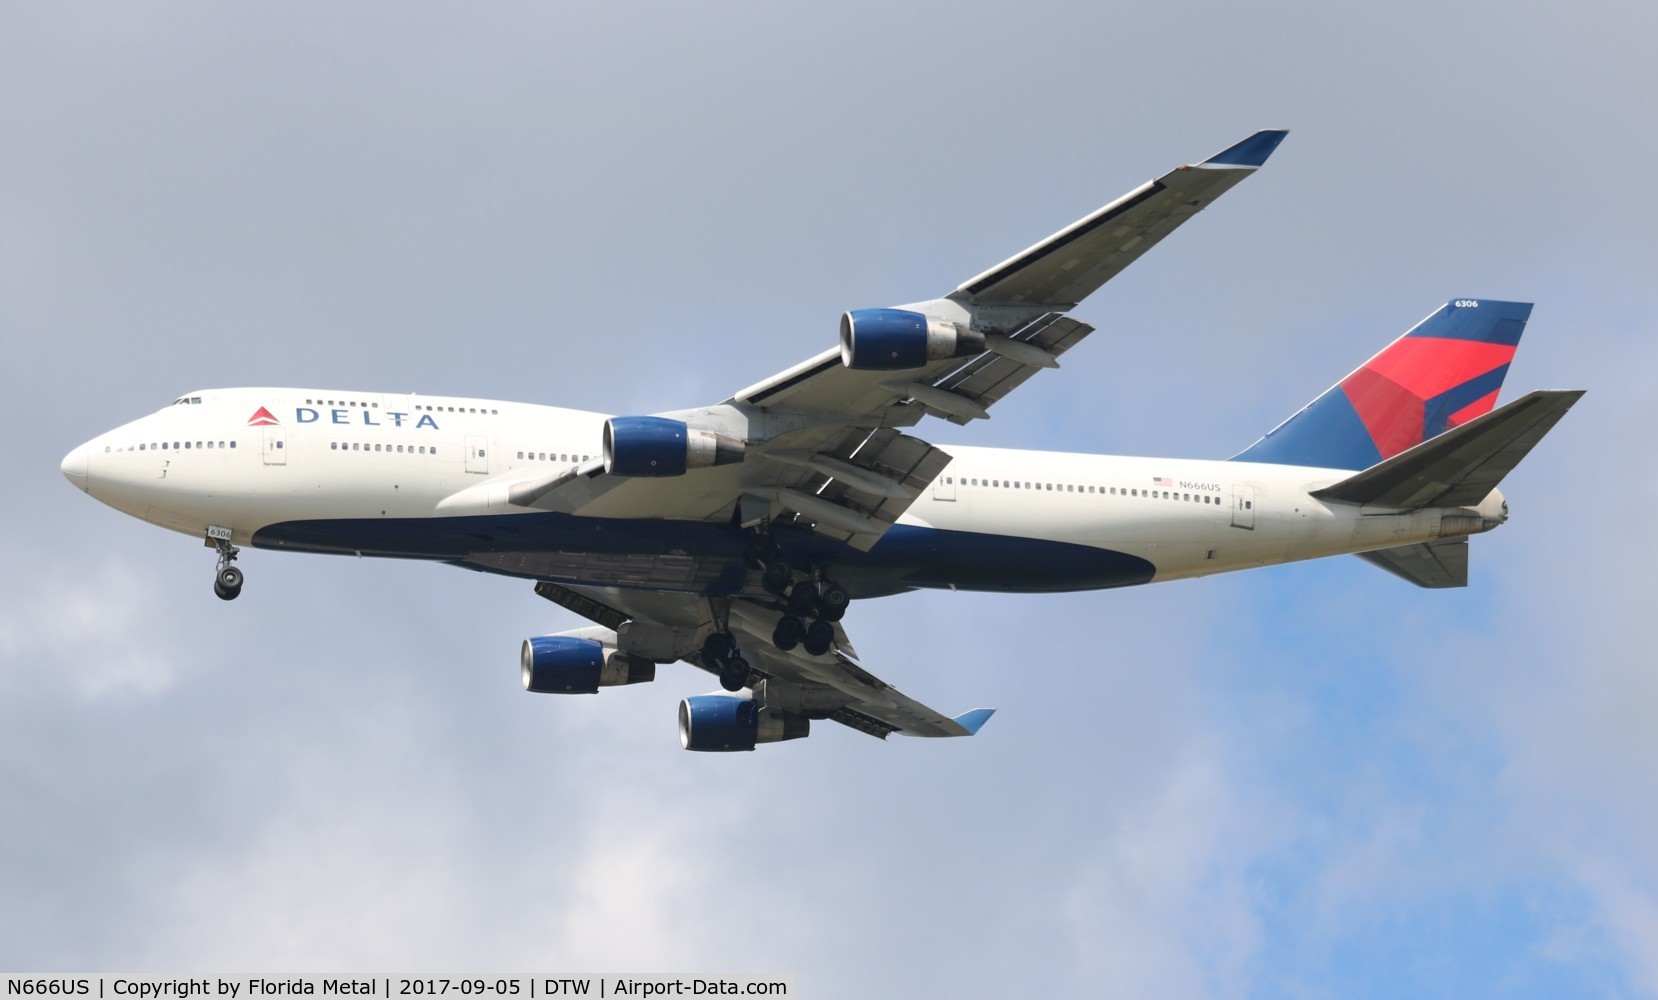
{"points": [[720, 650], [812, 606], [823, 601], [227, 579]]}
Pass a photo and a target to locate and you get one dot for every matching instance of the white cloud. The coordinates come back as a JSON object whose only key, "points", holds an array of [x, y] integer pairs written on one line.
{"points": [[1164, 906], [78, 628]]}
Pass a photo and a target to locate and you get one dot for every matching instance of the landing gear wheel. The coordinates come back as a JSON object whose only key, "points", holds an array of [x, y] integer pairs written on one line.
{"points": [[820, 635], [832, 602], [790, 630], [227, 579], [718, 647], [803, 598], [777, 576], [757, 551], [735, 675]]}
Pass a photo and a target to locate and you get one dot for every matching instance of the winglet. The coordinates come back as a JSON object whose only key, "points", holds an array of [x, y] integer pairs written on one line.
{"points": [[1251, 153], [973, 721]]}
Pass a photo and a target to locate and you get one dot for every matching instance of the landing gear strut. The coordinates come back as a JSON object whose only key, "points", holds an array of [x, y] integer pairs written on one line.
{"points": [[720, 650], [227, 579]]}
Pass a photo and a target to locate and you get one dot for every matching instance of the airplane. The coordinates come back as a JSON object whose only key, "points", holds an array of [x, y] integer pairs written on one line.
{"points": [[734, 536]]}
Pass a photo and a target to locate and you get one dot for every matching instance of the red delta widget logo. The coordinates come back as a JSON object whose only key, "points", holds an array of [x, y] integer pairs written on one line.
{"points": [[310, 415]]}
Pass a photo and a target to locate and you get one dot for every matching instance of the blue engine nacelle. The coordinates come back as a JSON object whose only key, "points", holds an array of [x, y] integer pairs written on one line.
{"points": [[659, 446], [725, 722], [566, 664], [896, 339]]}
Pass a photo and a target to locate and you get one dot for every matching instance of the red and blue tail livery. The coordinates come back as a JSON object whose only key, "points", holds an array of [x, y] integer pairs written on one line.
{"points": [[1441, 374]]}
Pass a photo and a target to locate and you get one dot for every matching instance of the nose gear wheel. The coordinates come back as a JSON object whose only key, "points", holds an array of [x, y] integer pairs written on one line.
{"points": [[227, 579]]}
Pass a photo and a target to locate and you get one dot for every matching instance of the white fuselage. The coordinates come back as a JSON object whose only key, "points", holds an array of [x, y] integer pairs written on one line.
{"points": [[250, 459]]}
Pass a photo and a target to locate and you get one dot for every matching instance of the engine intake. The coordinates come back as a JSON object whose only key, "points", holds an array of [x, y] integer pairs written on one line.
{"points": [[565, 664], [659, 446], [897, 339], [720, 723]]}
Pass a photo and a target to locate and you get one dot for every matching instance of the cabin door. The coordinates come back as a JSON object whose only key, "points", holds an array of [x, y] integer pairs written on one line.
{"points": [[1243, 506]]}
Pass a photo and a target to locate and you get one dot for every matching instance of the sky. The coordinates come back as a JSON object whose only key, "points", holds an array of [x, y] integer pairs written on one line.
{"points": [[1305, 781]]}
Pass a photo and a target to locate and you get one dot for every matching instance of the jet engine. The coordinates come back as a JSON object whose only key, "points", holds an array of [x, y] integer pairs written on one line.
{"points": [[726, 722], [658, 446], [895, 339], [571, 664]]}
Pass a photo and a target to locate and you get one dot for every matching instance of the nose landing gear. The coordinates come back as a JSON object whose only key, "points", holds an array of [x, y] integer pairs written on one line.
{"points": [[227, 579]]}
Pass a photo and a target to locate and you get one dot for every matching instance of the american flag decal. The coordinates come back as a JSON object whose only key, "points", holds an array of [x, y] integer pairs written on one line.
{"points": [[1162, 481]]}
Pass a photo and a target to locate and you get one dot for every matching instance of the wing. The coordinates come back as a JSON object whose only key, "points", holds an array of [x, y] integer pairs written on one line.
{"points": [[825, 441], [1070, 265], [833, 686], [1021, 299]]}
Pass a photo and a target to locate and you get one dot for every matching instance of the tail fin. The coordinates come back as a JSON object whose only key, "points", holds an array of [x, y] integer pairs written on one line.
{"points": [[1441, 374]]}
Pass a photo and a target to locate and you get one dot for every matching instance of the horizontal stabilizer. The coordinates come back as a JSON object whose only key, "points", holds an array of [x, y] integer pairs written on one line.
{"points": [[1460, 467], [1435, 565]]}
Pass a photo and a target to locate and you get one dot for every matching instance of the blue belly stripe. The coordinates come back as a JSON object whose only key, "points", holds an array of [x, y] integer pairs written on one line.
{"points": [[908, 556]]}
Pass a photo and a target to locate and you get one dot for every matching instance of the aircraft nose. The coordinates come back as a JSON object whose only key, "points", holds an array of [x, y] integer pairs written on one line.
{"points": [[74, 466]]}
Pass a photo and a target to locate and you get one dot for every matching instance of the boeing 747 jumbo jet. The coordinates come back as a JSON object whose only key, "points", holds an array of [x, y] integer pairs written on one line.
{"points": [[733, 536]]}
